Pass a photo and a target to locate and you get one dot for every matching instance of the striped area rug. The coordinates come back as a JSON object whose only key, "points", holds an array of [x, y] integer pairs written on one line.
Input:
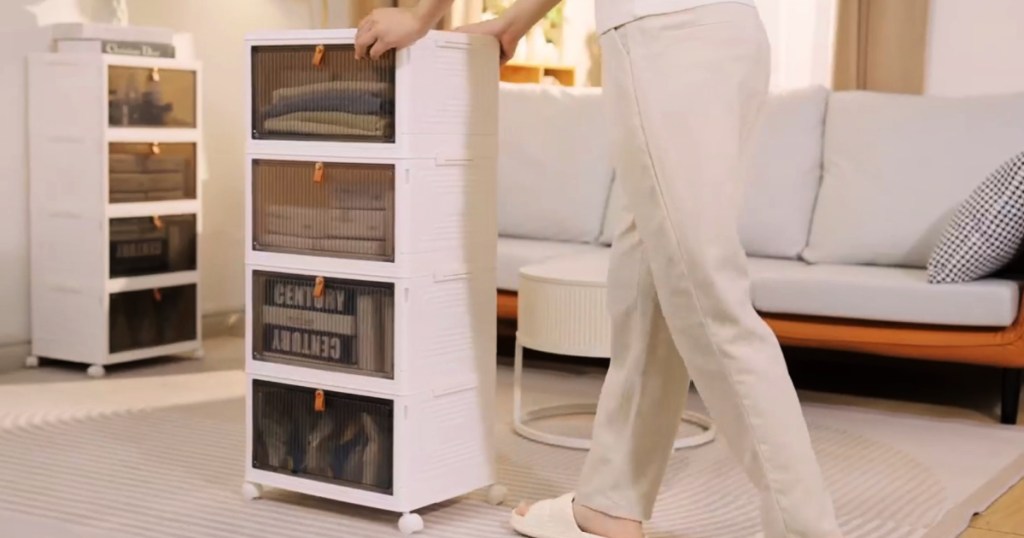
{"points": [[174, 469]]}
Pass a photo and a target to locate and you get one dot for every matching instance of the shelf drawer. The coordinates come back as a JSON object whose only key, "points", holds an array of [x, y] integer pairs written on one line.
{"points": [[321, 92], [321, 435], [343, 210], [322, 322], [152, 245], [151, 172], [151, 97], [155, 317], [436, 98]]}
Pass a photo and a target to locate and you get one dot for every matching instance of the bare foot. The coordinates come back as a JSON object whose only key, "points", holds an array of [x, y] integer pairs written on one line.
{"points": [[594, 522]]}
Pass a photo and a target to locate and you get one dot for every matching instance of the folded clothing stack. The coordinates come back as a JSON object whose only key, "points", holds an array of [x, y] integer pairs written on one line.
{"points": [[335, 108], [356, 231], [139, 247], [142, 319], [349, 441], [349, 325], [142, 178]]}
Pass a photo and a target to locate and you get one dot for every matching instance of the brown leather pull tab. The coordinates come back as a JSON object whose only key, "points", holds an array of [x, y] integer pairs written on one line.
{"points": [[157, 295], [154, 75], [320, 404], [318, 173], [154, 148], [318, 55], [318, 289], [158, 222]]}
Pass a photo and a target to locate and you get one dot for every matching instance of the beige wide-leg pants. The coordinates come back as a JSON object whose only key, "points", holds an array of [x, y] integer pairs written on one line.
{"points": [[684, 91]]}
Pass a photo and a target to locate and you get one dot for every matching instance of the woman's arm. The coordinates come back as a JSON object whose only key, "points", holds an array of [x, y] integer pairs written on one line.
{"points": [[392, 28]]}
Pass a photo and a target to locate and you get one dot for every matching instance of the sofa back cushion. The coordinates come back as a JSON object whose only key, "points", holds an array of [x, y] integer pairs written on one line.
{"points": [[898, 166], [554, 172], [781, 181], [784, 174]]}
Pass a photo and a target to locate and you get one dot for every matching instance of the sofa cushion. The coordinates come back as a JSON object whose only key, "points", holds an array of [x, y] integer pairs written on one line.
{"points": [[782, 179], [986, 230], [887, 294], [784, 174], [553, 167], [514, 254], [897, 166]]}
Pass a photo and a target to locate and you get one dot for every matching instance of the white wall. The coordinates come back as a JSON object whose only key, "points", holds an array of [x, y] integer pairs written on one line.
{"points": [[975, 47], [218, 27]]}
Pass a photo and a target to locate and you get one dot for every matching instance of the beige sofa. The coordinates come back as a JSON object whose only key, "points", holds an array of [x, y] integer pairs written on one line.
{"points": [[848, 194]]}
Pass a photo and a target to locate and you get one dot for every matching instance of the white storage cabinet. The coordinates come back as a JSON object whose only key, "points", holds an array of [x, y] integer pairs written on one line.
{"points": [[114, 208], [371, 236]]}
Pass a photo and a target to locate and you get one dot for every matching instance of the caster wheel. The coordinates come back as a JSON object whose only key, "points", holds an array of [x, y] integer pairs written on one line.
{"points": [[410, 524], [96, 371], [251, 491], [198, 354], [31, 361], [497, 494]]}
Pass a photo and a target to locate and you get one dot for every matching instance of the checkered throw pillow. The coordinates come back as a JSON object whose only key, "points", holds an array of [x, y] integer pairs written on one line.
{"points": [[986, 230]]}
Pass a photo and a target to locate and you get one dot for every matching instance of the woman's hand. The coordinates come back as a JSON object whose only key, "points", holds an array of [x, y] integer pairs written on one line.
{"points": [[389, 28], [501, 29]]}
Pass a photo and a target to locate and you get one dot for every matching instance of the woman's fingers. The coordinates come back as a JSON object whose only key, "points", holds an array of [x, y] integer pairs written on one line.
{"points": [[365, 38], [379, 48]]}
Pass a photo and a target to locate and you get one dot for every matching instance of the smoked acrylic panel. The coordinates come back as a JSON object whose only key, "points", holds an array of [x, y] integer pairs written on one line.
{"points": [[342, 439], [151, 97], [151, 172], [343, 210], [152, 317], [327, 323], [321, 92], [152, 245]]}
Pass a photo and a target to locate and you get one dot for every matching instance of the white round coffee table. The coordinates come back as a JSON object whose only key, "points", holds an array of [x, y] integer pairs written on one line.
{"points": [[562, 311]]}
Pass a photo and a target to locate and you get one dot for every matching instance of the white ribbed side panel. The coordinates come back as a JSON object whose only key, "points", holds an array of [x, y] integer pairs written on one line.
{"points": [[564, 318]]}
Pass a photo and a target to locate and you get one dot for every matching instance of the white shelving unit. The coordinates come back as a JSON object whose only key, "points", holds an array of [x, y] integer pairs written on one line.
{"points": [[370, 270], [114, 208]]}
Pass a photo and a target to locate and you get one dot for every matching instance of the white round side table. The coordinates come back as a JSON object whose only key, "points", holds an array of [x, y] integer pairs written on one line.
{"points": [[562, 311]]}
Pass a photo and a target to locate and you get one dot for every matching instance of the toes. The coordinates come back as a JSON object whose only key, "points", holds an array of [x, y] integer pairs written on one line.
{"points": [[523, 508]]}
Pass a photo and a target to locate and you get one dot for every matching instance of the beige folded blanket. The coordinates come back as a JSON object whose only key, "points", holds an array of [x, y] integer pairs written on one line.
{"points": [[380, 89], [320, 223], [328, 124], [355, 247]]}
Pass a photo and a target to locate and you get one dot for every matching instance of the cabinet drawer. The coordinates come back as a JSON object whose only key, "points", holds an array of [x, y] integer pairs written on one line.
{"points": [[152, 245], [324, 209], [321, 92], [151, 97], [324, 322], [338, 438], [151, 172], [153, 317]]}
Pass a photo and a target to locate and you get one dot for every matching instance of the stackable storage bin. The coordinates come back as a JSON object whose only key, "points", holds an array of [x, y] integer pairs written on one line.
{"points": [[434, 99]]}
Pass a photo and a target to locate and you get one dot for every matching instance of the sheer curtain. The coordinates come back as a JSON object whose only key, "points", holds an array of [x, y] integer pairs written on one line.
{"points": [[802, 34]]}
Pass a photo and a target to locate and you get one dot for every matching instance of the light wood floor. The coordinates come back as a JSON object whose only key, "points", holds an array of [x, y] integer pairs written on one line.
{"points": [[1004, 520]]}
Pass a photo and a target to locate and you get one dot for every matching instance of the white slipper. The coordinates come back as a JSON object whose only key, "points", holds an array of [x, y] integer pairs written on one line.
{"points": [[552, 518]]}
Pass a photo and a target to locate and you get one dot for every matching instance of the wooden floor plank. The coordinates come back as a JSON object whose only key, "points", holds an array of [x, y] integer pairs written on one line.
{"points": [[979, 533], [1006, 516]]}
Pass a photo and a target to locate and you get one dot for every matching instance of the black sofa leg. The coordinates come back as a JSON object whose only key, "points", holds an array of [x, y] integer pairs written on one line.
{"points": [[1011, 394]]}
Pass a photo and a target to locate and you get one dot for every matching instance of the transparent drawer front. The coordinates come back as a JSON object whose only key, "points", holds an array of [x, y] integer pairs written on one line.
{"points": [[150, 318], [152, 172], [324, 209], [323, 435], [150, 97], [151, 245], [322, 92], [324, 322]]}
